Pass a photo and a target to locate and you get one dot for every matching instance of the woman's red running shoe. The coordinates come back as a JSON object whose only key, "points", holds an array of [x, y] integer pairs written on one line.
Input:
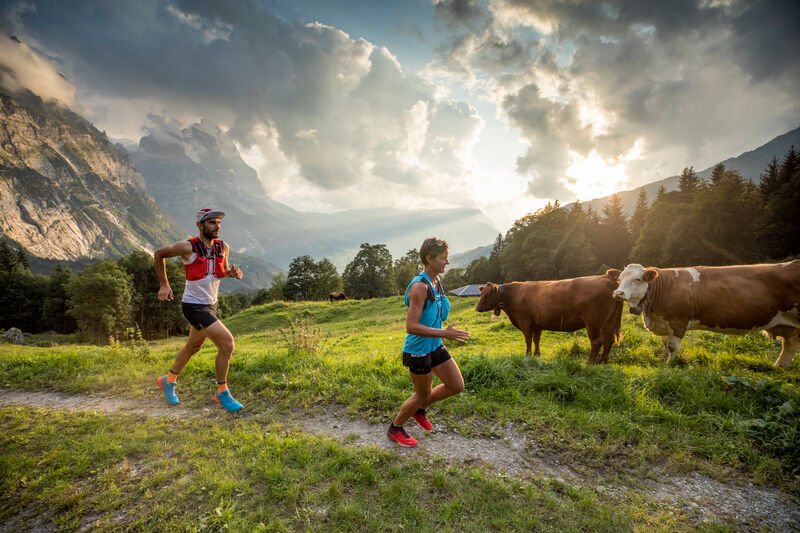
{"points": [[422, 419], [399, 435]]}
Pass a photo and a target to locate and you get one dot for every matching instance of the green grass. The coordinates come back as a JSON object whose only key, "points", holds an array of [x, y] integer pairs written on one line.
{"points": [[724, 410], [139, 473]]}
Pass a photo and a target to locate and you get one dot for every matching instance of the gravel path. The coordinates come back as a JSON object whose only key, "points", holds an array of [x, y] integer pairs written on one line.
{"points": [[741, 507]]}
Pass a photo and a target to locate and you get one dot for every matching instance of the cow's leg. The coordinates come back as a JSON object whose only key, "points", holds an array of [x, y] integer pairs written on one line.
{"points": [[537, 336], [525, 326], [595, 343], [528, 337], [665, 342], [673, 345], [608, 341], [790, 346]]}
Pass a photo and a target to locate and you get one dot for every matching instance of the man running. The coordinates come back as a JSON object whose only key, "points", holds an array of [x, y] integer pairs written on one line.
{"points": [[205, 261]]}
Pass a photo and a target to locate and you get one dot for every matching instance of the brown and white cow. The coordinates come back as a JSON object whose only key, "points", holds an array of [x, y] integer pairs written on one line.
{"points": [[561, 305], [732, 299]]}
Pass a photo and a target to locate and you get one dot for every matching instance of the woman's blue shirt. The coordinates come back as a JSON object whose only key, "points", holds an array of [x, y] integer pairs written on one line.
{"points": [[433, 314]]}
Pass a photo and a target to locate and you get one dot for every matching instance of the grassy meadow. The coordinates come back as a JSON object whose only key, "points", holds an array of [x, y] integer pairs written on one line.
{"points": [[723, 411]]}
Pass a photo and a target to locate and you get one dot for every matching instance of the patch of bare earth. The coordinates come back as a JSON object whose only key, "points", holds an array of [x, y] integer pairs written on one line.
{"points": [[698, 497]]}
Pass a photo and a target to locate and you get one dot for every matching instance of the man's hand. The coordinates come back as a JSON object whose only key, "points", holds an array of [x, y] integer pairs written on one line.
{"points": [[235, 272], [456, 334], [165, 294]]}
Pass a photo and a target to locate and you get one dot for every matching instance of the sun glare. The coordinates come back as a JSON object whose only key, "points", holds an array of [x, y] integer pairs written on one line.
{"points": [[591, 176]]}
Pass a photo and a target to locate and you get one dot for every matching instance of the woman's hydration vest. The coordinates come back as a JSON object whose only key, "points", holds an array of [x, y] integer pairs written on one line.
{"points": [[435, 310], [204, 270]]}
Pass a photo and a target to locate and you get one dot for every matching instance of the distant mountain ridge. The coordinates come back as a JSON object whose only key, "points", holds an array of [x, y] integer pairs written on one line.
{"points": [[750, 164], [463, 259], [65, 191], [199, 166]]}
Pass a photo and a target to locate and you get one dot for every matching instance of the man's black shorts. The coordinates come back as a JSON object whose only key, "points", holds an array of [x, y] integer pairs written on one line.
{"points": [[200, 315], [422, 364]]}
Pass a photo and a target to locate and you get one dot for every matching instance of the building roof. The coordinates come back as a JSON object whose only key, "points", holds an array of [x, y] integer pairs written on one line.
{"points": [[468, 290]]}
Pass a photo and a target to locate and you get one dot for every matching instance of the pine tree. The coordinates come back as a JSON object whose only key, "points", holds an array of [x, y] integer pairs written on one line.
{"points": [[22, 262], [614, 238], [689, 182], [639, 214], [782, 226], [717, 173], [770, 179], [495, 273], [789, 166], [7, 258]]}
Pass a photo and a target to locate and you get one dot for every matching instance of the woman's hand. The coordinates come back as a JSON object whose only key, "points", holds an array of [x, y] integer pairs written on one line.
{"points": [[456, 334]]}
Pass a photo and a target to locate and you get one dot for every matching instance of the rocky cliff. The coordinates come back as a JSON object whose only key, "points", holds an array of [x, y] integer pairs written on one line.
{"points": [[65, 191]]}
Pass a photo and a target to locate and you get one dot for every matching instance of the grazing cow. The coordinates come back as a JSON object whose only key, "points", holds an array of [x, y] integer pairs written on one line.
{"points": [[562, 305], [336, 296], [732, 299]]}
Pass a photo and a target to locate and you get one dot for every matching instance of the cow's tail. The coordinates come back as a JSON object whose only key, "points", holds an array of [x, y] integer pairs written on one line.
{"points": [[616, 320]]}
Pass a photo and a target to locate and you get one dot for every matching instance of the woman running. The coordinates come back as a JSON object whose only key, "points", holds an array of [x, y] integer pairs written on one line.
{"points": [[423, 352]]}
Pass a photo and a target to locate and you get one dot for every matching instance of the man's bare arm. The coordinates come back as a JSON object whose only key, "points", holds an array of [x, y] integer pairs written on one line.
{"points": [[181, 248]]}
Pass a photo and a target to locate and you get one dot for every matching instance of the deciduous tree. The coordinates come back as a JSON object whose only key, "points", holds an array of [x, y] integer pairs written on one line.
{"points": [[369, 274], [100, 300]]}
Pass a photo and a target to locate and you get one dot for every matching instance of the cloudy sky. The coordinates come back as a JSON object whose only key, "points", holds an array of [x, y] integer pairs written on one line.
{"points": [[498, 104]]}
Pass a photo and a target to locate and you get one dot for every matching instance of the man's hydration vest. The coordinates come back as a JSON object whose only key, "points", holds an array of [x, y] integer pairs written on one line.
{"points": [[204, 270]]}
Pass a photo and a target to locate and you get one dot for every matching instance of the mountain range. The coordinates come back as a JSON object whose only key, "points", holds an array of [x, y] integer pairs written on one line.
{"points": [[200, 166], [68, 194]]}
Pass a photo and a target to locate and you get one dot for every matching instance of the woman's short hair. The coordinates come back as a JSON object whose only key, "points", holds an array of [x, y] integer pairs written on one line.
{"points": [[431, 247]]}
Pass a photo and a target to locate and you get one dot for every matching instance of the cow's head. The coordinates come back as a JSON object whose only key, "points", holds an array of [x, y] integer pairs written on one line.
{"points": [[489, 300], [633, 284]]}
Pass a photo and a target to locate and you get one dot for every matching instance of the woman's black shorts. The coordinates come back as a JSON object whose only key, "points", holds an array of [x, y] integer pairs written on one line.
{"points": [[422, 364], [200, 315]]}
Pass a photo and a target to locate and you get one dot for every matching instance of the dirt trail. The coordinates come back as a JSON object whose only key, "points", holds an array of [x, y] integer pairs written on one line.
{"points": [[694, 495]]}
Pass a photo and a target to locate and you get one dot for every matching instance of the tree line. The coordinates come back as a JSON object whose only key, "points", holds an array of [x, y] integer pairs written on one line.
{"points": [[725, 220]]}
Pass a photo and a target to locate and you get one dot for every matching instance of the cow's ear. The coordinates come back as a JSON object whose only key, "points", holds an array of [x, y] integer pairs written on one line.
{"points": [[650, 274], [480, 289], [613, 274]]}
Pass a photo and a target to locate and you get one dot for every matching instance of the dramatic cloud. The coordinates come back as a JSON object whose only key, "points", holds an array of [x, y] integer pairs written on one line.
{"points": [[455, 13], [534, 100], [22, 68], [646, 86], [306, 101]]}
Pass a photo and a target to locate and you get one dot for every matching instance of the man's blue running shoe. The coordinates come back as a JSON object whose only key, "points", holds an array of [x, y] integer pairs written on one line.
{"points": [[169, 390], [227, 401]]}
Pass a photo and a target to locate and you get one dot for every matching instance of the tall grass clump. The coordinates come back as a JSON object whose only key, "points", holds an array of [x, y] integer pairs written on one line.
{"points": [[775, 426], [302, 337]]}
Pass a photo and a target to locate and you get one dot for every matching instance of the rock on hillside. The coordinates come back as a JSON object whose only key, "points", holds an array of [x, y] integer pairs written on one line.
{"points": [[65, 191]]}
